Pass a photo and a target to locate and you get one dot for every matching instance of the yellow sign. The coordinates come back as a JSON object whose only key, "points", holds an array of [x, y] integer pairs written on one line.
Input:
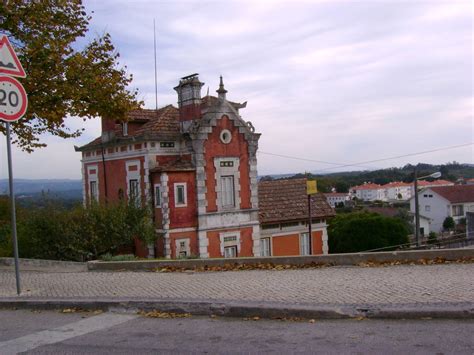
{"points": [[311, 187]]}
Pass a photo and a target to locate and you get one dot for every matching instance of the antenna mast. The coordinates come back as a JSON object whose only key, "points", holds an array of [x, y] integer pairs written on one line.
{"points": [[154, 46]]}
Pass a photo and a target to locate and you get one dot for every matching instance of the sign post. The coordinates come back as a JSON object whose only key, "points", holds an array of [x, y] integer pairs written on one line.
{"points": [[311, 189], [13, 105]]}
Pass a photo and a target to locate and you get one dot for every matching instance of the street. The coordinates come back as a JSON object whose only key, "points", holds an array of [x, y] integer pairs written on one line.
{"points": [[46, 332]]}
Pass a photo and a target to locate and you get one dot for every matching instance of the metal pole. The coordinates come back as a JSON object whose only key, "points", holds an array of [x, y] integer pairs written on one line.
{"points": [[12, 205], [417, 210], [154, 47], [310, 241]]}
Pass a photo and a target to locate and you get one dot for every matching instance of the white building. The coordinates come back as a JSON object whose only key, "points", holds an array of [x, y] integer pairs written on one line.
{"points": [[437, 203], [335, 198], [369, 192], [398, 190]]}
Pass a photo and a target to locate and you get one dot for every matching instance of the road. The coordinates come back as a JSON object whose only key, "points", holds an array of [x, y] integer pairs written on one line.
{"points": [[47, 332]]}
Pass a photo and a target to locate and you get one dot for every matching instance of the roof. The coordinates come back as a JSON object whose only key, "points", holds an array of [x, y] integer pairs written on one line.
{"points": [[456, 193], [336, 194], [440, 182], [396, 184], [175, 165], [368, 186], [286, 200], [163, 122]]}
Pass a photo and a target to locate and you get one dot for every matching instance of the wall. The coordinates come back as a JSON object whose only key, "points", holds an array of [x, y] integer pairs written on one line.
{"points": [[238, 147], [181, 217], [438, 208], [214, 247]]}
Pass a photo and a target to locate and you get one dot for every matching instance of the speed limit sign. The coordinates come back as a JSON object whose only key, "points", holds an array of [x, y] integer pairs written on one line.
{"points": [[13, 99]]}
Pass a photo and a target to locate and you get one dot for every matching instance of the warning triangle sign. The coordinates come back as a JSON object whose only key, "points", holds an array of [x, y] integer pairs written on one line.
{"points": [[9, 63]]}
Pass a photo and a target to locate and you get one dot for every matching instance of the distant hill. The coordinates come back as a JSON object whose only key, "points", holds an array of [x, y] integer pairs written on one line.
{"points": [[30, 187], [343, 180]]}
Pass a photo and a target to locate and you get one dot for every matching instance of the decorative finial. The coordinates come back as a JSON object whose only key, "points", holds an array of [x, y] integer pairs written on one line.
{"points": [[221, 90]]}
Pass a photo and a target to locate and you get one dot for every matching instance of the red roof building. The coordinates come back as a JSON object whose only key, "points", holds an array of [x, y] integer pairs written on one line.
{"points": [[197, 166]]}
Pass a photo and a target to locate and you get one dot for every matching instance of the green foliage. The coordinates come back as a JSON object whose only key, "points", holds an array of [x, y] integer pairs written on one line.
{"points": [[52, 232], [432, 238], [342, 186], [61, 79], [355, 232], [448, 223]]}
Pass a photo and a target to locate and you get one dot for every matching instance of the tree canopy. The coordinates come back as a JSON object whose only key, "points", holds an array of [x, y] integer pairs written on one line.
{"points": [[61, 79], [355, 232]]}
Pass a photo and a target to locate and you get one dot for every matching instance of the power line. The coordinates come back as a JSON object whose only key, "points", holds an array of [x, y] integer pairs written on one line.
{"points": [[361, 164], [311, 160]]}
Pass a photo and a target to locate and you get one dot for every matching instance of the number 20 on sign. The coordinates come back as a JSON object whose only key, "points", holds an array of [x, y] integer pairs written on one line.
{"points": [[13, 99]]}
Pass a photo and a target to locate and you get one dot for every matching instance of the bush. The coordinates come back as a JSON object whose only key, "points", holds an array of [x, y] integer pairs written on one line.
{"points": [[53, 232], [355, 232], [448, 223], [432, 238], [123, 257]]}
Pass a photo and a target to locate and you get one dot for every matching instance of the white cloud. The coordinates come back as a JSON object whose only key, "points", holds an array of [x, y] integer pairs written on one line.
{"points": [[335, 81]]}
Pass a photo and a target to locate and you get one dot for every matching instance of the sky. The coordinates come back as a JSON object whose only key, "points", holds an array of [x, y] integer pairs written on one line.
{"points": [[342, 82]]}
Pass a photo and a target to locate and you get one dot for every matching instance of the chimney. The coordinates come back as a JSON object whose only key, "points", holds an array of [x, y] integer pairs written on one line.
{"points": [[108, 129], [189, 97], [221, 91]]}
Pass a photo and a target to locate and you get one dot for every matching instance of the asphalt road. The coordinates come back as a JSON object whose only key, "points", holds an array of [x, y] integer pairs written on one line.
{"points": [[49, 332]]}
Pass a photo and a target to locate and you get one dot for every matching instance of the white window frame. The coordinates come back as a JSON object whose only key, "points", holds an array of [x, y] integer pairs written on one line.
{"points": [[136, 197], [93, 177], [185, 190], [125, 129], [186, 249], [304, 244], [265, 247], [455, 208], [427, 208], [232, 255], [227, 195], [158, 196], [94, 193]]}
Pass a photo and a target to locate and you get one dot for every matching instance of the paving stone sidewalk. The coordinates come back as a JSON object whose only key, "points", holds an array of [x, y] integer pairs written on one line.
{"points": [[406, 284]]}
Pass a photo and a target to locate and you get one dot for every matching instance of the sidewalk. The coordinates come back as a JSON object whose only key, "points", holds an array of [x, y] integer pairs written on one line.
{"points": [[341, 290]]}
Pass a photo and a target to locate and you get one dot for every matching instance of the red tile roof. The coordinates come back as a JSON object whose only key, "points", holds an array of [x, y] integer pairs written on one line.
{"points": [[286, 200], [456, 193], [336, 194], [175, 165], [396, 184], [422, 183], [161, 123], [368, 186]]}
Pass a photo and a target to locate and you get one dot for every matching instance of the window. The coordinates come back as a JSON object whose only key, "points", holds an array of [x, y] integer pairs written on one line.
{"points": [[304, 244], [166, 144], [458, 210], [180, 195], [227, 188], [125, 129], [427, 208], [93, 191], [133, 190], [230, 252], [157, 195], [265, 247]]}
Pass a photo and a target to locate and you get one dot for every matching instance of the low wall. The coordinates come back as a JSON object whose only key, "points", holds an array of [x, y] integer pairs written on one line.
{"points": [[331, 259], [39, 264]]}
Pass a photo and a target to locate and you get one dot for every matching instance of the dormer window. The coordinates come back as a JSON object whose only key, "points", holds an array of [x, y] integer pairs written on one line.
{"points": [[125, 129]]}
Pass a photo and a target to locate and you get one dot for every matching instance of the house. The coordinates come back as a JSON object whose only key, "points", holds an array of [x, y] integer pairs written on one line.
{"points": [[368, 192], [397, 191], [423, 184], [437, 203], [196, 165], [284, 219], [335, 198]]}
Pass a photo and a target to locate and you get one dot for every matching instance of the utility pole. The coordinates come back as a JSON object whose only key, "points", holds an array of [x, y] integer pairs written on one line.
{"points": [[417, 210]]}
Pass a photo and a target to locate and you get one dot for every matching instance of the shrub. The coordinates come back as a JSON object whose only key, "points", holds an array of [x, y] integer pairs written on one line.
{"points": [[448, 223], [432, 238], [355, 232]]}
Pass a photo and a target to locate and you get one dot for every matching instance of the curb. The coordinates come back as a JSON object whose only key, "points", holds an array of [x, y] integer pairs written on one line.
{"points": [[262, 310]]}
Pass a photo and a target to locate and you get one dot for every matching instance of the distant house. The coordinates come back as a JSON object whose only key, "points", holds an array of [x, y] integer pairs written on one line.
{"points": [[283, 219], [368, 192], [397, 190], [335, 198], [423, 184], [439, 202]]}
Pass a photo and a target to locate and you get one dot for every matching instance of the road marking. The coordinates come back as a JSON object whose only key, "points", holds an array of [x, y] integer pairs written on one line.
{"points": [[68, 331]]}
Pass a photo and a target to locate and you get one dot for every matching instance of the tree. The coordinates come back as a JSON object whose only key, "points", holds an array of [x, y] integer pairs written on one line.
{"points": [[432, 238], [342, 186], [448, 223], [355, 232], [61, 80]]}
